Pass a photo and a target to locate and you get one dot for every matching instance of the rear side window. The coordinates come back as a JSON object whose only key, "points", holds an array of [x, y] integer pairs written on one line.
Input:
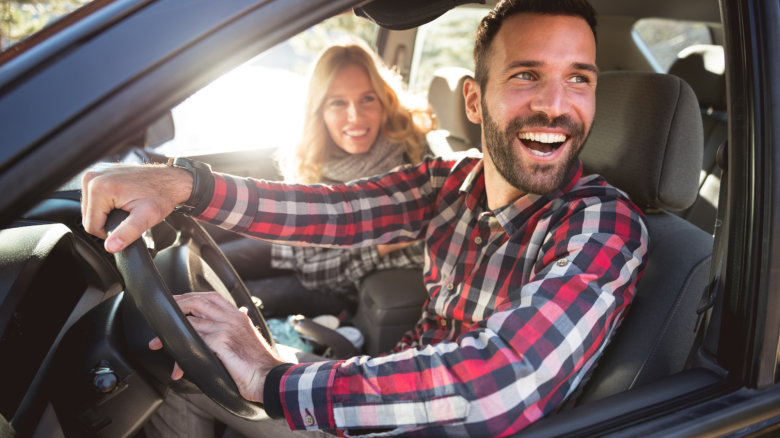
{"points": [[661, 40], [447, 41]]}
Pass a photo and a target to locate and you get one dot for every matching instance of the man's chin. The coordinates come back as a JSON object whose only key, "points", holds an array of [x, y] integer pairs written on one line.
{"points": [[537, 178]]}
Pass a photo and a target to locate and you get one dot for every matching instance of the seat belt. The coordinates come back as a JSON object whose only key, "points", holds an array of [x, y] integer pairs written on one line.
{"points": [[705, 347]]}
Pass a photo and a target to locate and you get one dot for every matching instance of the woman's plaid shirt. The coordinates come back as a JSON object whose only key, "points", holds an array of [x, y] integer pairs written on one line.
{"points": [[522, 299]]}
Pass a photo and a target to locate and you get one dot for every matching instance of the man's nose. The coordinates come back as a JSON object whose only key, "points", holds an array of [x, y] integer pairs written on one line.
{"points": [[551, 99]]}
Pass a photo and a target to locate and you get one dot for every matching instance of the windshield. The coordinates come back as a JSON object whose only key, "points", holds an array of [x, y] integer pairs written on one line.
{"points": [[259, 104], [20, 19]]}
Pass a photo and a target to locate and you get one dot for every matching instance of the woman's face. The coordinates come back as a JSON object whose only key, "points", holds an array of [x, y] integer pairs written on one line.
{"points": [[352, 110]]}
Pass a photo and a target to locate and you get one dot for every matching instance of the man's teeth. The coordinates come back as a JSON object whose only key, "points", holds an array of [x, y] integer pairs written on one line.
{"points": [[356, 132], [541, 154], [542, 137]]}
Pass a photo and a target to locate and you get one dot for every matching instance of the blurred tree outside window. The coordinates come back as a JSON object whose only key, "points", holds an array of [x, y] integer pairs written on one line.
{"points": [[666, 38], [22, 18], [447, 41], [260, 103]]}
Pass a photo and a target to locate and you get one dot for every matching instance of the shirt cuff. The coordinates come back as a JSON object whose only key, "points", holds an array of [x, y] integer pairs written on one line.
{"points": [[307, 392], [233, 203], [272, 401]]}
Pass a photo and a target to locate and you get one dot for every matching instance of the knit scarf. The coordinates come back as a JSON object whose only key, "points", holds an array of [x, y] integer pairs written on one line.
{"points": [[342, 166]]}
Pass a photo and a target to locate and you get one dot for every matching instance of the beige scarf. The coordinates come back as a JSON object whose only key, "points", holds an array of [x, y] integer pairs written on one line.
{"points": [[343, 167]]}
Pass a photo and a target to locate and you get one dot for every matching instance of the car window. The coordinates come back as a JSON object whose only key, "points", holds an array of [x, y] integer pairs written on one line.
{"points": [[661, 40], [259, 104], [20, 19], [447, 41]]}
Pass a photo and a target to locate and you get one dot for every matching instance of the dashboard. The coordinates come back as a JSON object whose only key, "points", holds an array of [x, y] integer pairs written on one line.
{"points": [[60, 288]]}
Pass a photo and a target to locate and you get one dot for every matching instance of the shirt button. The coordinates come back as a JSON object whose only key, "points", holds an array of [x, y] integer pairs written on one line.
{"points": [[450, 286], [309, 420], [477, 240], [562, 262], [443, 323]]}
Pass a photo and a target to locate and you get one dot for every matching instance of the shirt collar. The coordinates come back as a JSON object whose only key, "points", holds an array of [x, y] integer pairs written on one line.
{"points": [[513, 216]]}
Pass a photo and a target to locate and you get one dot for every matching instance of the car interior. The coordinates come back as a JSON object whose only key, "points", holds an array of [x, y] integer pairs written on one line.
{"points": [[659, 135]]}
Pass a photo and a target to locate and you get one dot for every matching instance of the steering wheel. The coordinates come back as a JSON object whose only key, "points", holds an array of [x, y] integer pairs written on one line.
{"points": [[194, 262]]}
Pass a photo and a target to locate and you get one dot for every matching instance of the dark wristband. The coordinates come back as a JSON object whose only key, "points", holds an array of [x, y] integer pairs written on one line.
{"points": [[272, 401], [205, 200], [201, 178]]}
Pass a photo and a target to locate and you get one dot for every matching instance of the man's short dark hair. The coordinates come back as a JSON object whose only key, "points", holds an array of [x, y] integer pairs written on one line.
{"points": [[488, 28]]}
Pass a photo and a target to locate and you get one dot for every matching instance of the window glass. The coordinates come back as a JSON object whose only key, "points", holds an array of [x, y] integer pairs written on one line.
{"points": [[22, 18], [259, 104], [661, 40], [447, 41]]}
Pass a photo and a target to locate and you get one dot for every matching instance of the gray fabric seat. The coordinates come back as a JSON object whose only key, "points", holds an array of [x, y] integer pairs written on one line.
{"points": [[647, 141], [456, 132], [702, 66]]}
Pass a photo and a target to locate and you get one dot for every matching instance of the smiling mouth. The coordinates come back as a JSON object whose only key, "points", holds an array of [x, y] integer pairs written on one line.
{"points": [[355, 133], [542, 144]]}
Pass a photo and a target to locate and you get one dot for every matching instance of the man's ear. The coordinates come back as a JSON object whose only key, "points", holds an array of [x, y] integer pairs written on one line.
{"points": [[471, 93]]}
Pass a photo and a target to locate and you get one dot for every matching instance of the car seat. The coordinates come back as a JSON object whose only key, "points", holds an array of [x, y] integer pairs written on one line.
{"points": [[702, 67], [456, 132], [647, 141]]}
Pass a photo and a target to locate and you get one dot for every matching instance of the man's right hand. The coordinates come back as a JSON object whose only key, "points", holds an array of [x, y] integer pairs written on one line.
{"points": [[148, 192]]}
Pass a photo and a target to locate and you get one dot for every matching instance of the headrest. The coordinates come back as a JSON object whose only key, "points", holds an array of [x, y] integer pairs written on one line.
{"points": [[703, 66], [407, 14], [647, 138], [446, 97]]}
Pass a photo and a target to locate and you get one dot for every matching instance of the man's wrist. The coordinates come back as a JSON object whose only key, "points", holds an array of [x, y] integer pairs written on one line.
{"points": [[183, 188]]}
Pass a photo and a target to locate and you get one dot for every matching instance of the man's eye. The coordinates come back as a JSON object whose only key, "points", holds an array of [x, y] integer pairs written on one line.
{"points": [[526, 76], [579, 79]]}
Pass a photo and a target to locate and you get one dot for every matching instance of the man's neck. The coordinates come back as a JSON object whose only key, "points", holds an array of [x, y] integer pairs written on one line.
{"points": [[499, 191]]}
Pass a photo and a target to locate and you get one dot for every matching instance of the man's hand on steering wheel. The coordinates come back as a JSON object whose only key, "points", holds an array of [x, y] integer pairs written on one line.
{"points": [[232, 337], [149, 193]]}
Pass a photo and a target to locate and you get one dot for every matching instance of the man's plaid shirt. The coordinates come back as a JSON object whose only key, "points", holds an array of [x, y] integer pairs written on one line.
{"points": [[522, 299]]}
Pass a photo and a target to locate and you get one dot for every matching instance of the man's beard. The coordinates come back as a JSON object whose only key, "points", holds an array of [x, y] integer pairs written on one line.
{"points": [[531, 177]]}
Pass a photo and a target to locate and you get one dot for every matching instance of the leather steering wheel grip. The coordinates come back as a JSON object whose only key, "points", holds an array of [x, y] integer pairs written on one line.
{"points": [[151, 296]]}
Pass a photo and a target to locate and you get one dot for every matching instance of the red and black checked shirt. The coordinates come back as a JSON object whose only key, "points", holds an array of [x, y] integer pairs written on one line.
{"points": [[522, 299]]}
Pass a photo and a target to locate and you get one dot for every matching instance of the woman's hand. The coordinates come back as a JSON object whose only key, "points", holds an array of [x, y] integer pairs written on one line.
{"points": [[384, 250], [232, 337]]}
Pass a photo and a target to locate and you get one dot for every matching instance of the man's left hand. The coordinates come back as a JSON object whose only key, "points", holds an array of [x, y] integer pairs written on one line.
{"points": [[230, 334]]}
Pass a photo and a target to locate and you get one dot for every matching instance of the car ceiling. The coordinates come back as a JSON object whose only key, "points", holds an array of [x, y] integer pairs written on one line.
{"points": [[406, 14]]}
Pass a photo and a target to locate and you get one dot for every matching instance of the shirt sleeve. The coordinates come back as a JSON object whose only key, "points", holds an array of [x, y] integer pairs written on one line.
{"points": [[394, 207], [503, 372]]}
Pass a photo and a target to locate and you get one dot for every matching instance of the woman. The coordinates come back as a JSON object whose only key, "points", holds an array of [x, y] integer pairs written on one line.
{"points": [[354, 127]]}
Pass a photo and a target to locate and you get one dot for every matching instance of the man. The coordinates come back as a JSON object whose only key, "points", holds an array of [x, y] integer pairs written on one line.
{"points": [[529, 266]]}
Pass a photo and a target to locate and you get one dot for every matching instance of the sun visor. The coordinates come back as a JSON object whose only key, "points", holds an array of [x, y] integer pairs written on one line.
{"points": [[407, 14]]}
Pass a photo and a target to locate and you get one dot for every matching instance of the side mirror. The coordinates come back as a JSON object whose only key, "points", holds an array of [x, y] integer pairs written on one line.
{"points": [[161, 131]]}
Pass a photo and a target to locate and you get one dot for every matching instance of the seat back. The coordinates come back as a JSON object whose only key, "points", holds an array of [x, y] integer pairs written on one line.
{"points": [[456, 132], [647, 141], [703, 67]]}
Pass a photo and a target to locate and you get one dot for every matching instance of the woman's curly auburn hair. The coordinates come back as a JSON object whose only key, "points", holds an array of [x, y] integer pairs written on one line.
{"points": [[303, 163]]}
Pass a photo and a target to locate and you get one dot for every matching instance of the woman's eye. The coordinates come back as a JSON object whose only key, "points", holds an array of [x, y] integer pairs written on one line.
{"points": [[368, 99], [337, 103]]}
